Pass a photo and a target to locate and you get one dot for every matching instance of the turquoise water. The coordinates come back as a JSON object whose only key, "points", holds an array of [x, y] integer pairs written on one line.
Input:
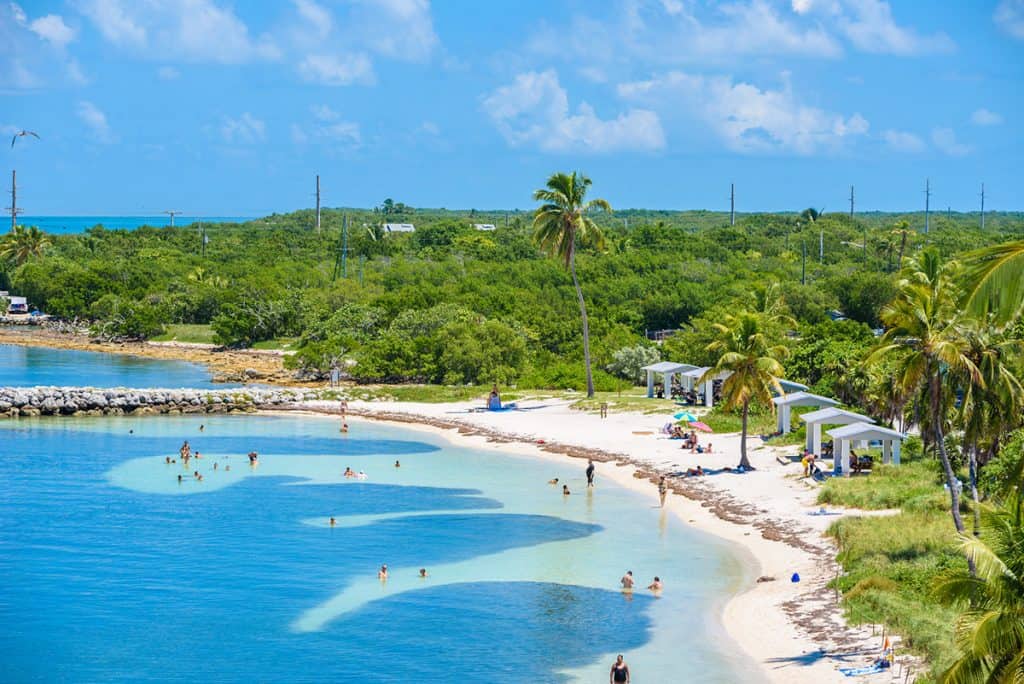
{"points": [[31, 366], [79, 224], [116, 572]]}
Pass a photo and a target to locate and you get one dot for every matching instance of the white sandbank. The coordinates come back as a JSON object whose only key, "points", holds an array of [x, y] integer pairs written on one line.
{"points": [[794, 631]]}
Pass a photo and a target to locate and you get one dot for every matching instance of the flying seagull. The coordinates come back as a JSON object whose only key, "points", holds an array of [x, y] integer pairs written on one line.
{"points": [[22, 134]]}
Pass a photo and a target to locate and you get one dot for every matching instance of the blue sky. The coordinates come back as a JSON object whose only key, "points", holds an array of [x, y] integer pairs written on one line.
{"points": [[230, 108]]}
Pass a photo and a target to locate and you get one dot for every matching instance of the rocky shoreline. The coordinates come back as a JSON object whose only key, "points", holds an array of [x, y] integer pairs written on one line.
{"points": [[17, 402]]}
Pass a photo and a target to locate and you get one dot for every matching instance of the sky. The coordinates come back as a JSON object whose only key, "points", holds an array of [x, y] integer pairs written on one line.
{"points": [[222, 108]]}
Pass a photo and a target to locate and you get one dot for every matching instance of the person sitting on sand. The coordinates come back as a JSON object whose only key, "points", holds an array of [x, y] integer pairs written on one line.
{"points": [[565, 490], [333, 521], [656, 585], [662, 490], [553, 481], [708, 449], [423, 573], [382, 574], [627, 581], [494, 399]]}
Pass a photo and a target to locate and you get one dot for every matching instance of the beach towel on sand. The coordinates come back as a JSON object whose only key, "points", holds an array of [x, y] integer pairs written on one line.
{"points": [[874, 668]]}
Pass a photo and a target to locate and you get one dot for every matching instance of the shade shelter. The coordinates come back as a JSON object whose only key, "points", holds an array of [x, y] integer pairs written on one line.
{"points": [[843, 439], [828, 416], [791, 386], [691, 381], [667, 369], [786, 402]]}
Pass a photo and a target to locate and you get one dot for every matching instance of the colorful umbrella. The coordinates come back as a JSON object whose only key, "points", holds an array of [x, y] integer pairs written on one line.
{"points": [[700, 426], [685, 415]]}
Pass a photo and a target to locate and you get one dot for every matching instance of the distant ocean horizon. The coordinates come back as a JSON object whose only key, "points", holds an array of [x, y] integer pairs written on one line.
{"points": [[79, 224]]}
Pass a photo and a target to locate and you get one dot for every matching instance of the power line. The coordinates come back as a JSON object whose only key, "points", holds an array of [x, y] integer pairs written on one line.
{"points": [[14, 199], [927, 204], [732, 204], [983, 206], [851, 201]]}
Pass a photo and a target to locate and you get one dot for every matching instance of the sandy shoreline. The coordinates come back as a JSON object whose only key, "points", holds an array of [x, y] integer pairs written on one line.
{"points": [[794, 631]]}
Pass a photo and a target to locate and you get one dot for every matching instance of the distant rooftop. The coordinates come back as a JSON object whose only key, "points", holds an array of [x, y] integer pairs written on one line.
{"points": [[399, 227]]}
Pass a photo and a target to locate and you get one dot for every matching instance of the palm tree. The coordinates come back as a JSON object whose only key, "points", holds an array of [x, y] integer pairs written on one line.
{"points": [[991, 401], [993, 283], [990, 632], [560, 226], [926, 342], [754, 364], [771, 305], [902, 229], [22, 244]]}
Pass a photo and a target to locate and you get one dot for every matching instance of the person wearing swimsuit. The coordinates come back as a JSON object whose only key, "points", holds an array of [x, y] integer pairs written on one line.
{"points": [[619, 673], [590, 473]]}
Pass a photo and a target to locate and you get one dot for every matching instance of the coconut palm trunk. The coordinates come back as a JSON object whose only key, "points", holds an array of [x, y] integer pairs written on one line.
{"points": [[935, 389], [744, 461], [586, 324]]}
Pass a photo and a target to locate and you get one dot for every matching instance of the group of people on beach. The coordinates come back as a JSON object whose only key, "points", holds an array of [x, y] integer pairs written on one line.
{"points": [[590, 478]]}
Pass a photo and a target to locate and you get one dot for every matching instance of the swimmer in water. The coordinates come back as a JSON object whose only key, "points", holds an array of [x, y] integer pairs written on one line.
{"points": [[131, 432], [227, 467], [344, 427], [198, 456], [361, 475], [565, 490], [179, 479], [553, 481], [627, 581], [202, 427], [200, 477], [423, 573], [348, 472], [214, 465], [382, 574], [656, 586], [397, 464], [167, 460], [333, 521]]}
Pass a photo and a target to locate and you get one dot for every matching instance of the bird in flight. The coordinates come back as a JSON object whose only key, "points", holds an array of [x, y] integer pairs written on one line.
{"points": [[22, 134]]}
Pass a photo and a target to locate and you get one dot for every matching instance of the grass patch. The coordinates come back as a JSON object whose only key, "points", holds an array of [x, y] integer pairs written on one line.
{"points": [[188, 333], [721, 420], [911, 487], [277, 344], [633, 400]]}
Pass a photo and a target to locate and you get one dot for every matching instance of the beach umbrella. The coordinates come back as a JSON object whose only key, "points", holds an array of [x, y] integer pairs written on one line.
{"points": [[685, 415], [703, 427]]}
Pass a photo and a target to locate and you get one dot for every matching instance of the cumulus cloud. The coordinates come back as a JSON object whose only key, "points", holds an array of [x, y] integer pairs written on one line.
{"points": [[315, 17], [245, 129], [96, 121], [870, 26], [53, 30], [335, 70], [984, 117], [903, 141], [399, 29], [945, 140], [1009, 16], [534, 110], [189, 30], [328, 126], [747, 118]]}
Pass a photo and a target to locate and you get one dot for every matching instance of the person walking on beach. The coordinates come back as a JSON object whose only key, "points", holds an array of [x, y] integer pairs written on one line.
{"points": [[590, 472], [627, 581], [662, 490], [619, 673]]}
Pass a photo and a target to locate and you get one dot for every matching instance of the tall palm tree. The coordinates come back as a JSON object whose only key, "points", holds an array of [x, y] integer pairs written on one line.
{"points": [[991, 402], [560, 226], [993, 283], [927, 344], [990, 632], [754, 364], [902, 229], [22, 244]]}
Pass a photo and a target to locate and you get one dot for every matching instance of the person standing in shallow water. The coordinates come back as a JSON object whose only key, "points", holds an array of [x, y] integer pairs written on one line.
{"points": [[627, 581], [619, 673], [590, 472], [662, 490]]}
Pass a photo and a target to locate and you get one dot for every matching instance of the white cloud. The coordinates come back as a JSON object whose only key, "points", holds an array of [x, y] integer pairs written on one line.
{"points": [[246, 129], [329, 126], [802, 6], [534, 110], [399, 29], [337, 70], [945, 140], [315, 17], [167, 73], [75, 72], [903, 141], [1009, 16], [984, 117], [747, 118], [299, 136], [324, 113], [53, 30], [189, 30], [96, 120], [870, 26]]}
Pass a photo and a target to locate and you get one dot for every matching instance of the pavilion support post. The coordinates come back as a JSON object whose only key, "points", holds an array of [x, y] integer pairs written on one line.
{"points": [[844, 455], [650, 384], [709, 393], [895, 452], [886, 451]]}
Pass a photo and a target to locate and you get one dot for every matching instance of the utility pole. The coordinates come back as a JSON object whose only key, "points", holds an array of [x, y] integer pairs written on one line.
{"points": [[172, 213], [851, 201], [927, 204], [983, 206], [344, 246], [202, 231], [803, 263], [318, 204], [821, 247], [732, 204], [14, 200]]}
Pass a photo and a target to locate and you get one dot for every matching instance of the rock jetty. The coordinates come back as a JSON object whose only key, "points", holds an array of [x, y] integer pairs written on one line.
{"points": [[91, 401]]}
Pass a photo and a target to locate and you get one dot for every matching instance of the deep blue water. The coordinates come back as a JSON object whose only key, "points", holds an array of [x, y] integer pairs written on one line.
{"points": [[106, 581], [79, 224], [31, 366]]}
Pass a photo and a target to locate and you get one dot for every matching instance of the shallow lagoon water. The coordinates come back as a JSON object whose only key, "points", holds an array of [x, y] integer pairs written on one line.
{"points": [[117, 572], [31, 366]]}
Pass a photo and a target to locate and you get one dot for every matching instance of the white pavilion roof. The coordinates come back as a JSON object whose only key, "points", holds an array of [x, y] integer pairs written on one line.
{"points": [[804, 399], [864, 431], [835, 416], [667, 367]]}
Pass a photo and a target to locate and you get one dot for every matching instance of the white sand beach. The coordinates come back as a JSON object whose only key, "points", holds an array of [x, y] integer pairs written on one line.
{"points": [[795, 631]]}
